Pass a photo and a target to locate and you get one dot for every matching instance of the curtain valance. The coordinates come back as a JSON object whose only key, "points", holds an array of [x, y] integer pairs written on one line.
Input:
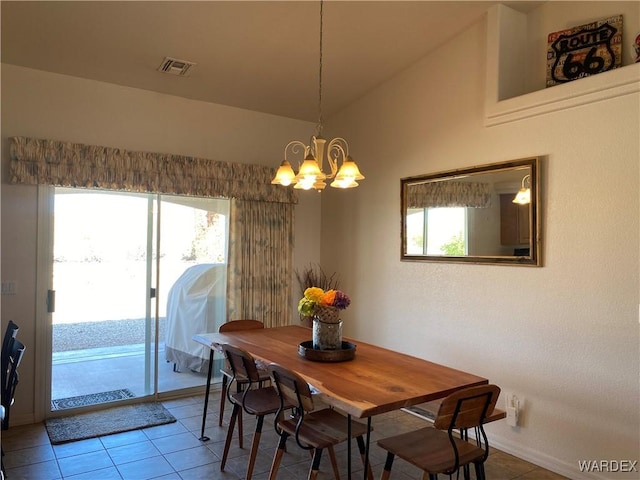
{"points": [[449, 194], [51, 162]]}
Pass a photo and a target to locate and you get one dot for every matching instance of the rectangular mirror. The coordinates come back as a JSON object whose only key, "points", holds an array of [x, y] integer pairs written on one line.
{"points": [[471, 215]]}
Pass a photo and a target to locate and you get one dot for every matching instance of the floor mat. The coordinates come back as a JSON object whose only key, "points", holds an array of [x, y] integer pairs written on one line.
{"points": [[91, 399], [106, 422]]}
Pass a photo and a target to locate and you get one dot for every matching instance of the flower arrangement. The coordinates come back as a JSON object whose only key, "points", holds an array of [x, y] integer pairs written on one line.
{"points": [[315, 298], [323, 306], [314, 276]]}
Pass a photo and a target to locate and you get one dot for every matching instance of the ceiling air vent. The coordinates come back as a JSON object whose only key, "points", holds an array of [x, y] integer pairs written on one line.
{"points": [[173, 66]]}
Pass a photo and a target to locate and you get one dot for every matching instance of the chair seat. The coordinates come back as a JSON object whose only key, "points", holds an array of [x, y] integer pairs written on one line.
{"points": [[323, 428], [260, 401], [430, 449]]}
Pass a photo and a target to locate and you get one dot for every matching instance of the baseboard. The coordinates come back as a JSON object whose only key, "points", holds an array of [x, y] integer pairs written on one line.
{"points": [[24, 419], [543, 460]]}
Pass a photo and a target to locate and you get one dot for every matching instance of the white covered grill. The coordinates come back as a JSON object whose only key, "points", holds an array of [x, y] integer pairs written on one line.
{"points": [[195, 304]]}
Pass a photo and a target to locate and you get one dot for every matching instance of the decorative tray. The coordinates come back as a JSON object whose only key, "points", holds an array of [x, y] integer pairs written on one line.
{"points": [[347, 352]]}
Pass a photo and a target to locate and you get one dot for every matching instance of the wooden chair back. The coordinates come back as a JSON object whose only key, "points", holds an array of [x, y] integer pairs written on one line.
{"points": [[292, 388], [242, 364], [236, 325], [467, 408]]}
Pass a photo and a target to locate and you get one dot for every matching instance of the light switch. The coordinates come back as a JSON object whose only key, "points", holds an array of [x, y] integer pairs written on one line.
{"points": [[9, 287]]}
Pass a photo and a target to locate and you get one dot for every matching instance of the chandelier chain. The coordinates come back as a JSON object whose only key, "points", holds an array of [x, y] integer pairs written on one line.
{"points": [[319, 127]]}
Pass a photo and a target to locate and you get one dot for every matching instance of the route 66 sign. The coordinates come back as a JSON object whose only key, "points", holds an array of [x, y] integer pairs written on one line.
{"points": [[585, 50]]}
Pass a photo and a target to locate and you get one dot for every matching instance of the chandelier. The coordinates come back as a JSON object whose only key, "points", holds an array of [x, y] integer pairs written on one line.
{"points": [[311, 173]]}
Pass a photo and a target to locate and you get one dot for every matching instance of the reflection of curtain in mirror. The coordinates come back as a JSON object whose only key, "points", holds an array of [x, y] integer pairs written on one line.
{"points": [[449, 194]]}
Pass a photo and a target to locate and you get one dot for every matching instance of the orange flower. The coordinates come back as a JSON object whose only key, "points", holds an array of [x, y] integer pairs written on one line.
{"points": [[328, 298]]}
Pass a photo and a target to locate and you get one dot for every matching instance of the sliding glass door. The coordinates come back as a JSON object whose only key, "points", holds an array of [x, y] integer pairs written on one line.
{"points": [[119, 262], [192, 285]]}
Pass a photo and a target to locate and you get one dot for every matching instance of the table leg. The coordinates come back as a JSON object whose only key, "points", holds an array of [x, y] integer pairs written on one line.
{"points": [[206, 398], [349, 446], [366, 448]]}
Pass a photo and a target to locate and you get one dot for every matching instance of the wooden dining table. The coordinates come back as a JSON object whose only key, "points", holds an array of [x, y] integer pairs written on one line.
{"points": [[377, 380]]}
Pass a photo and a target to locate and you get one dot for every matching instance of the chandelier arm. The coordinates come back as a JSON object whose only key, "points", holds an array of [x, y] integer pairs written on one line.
{"points": [[295, 146], [344, 146], [337, 149], [333, 165]]}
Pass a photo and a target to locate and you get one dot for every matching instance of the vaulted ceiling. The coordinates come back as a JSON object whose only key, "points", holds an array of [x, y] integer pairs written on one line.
{"points": [[262, 56]]}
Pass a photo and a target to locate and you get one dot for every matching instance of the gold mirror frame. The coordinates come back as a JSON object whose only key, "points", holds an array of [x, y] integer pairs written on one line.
{"points": [[494, 186]]}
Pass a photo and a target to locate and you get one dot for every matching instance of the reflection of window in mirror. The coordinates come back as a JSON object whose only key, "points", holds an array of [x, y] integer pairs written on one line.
{"points": [[445, 230]]}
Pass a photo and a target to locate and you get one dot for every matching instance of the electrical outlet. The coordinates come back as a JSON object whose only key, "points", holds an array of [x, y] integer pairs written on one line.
{"points": [[512, 416], [514, 406]]}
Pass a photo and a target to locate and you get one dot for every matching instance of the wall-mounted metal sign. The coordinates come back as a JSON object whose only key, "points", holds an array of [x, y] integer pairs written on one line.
{"points": [[584, 50]]}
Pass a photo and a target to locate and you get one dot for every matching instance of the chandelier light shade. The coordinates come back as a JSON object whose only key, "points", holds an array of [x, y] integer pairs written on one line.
{"points": [[523, 197], [311, 174]]}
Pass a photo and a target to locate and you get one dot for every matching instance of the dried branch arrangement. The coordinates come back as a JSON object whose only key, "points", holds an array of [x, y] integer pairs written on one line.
{"points": [[315, 276]]}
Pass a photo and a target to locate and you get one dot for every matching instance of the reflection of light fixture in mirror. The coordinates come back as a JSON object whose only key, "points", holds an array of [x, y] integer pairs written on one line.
{"points": [[311, 174], [523, 196]]}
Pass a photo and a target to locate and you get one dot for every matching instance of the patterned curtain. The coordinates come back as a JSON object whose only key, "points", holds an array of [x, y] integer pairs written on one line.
{"points": [[261, 262], [449, 194], [66, 164]]}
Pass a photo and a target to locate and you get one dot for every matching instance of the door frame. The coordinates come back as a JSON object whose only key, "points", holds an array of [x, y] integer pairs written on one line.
{"points": [[44, 282], [43, 321]]}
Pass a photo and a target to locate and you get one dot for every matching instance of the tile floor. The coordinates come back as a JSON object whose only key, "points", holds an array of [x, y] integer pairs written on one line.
{"points": [[173, 452]]}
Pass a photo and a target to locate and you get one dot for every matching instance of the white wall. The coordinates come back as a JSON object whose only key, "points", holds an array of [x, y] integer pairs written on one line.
{"points": [[44, 105], [565, 336]]}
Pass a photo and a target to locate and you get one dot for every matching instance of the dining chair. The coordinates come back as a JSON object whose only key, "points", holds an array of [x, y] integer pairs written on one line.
{"points": [[7, 346], [439, 449], [12, 353], [9, 388], [259, 401], [313, 429], [227, 374]]}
